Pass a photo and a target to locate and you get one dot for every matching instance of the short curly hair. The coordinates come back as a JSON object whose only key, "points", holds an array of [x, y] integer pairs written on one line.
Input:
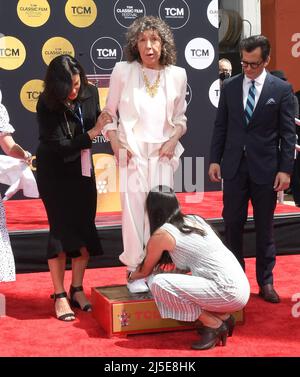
{"points": [[141, 24]]}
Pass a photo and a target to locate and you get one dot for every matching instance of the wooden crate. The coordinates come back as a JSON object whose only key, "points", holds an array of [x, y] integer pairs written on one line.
{"points": [[120, 312]]}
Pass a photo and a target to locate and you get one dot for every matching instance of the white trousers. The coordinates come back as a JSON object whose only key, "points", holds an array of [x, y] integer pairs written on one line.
{"points": [[144, 171]]}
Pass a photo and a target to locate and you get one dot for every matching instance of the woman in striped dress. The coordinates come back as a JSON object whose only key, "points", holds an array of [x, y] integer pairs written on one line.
{"points": [[215, 286]]}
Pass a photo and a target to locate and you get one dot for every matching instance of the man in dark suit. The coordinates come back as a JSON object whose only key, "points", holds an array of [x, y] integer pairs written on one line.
{"points": [[252, 149]]}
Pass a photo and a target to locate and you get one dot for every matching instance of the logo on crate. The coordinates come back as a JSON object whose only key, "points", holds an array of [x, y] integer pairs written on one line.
{"points": [[124, 318]]}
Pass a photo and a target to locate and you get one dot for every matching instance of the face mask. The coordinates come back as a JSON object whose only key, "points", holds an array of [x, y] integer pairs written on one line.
{"points": [[224, 75]]}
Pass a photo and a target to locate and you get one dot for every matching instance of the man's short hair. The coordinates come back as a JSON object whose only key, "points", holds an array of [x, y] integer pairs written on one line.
{"points": [[251, 43]]}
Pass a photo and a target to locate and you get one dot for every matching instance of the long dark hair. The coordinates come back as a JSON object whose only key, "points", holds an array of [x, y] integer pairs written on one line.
{"points": [[58, 81], [163, 207]]}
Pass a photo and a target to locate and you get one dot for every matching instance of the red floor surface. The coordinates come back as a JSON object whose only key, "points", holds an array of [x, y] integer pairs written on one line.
{"points": [[30, 328], [30, 214]]}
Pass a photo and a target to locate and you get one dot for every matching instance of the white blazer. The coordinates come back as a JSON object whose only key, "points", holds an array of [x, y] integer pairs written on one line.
{"points": [[122, 98]]}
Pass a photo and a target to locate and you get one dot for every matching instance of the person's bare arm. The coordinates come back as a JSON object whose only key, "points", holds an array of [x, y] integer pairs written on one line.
{"points": [[12, 149], [160, 241]]}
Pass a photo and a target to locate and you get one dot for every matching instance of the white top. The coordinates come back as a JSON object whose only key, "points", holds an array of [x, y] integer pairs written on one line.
{"points": [[5, 126], [259, 83], [14, 172], [122, 100], [152, 126]]}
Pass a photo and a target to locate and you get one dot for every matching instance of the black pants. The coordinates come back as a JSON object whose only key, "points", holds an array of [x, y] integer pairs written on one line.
{"points": [[237, 193]]}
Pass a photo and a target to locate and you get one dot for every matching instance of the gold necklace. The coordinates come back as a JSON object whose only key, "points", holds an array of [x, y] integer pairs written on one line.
{"points": [[151, 89]]}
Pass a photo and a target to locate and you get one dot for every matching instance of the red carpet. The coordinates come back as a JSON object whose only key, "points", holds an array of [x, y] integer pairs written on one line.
{"points": [[30, 214], [30, 329]]}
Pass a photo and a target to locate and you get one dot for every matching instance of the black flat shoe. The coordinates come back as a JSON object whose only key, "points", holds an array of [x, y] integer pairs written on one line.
{"points": [[211, 337], [75, 303], [67, 317]]}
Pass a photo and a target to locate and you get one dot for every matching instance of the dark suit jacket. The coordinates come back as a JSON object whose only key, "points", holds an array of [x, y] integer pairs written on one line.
{"points": [[269, 138], [58, 153]]}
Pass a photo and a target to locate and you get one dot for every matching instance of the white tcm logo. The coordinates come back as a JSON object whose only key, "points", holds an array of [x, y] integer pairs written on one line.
{"points": [[214, 93], [175, 12], [213, 13], [199, 53], [105, 52], [126, 11]]}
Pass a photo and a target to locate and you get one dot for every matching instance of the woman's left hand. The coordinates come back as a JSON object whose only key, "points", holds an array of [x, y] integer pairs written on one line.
{"points": [[168, 148]]}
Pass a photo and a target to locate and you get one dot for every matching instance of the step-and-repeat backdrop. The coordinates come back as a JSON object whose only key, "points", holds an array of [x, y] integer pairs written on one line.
{"points": [[32, 32]]}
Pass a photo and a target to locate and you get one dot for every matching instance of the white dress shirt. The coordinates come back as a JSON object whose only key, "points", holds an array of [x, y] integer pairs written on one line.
{"points": [[259, 83]]}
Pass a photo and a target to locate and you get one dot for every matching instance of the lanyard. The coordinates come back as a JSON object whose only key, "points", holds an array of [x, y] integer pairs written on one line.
{"points": [[79, 117]]}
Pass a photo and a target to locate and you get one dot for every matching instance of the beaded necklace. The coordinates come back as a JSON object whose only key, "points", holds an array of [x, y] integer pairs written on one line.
{"points": [[151, 89]]}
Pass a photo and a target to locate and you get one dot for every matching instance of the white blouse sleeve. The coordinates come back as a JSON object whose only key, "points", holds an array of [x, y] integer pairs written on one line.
{"points": [[5, 126], [113, 99]]}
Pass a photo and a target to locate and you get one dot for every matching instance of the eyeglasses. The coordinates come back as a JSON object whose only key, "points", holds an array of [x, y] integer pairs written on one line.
{"points": [[252, 65]]}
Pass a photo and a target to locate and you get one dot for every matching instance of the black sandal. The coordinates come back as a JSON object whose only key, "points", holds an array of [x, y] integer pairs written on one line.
{"points": [[67, 317], [75, 303]]}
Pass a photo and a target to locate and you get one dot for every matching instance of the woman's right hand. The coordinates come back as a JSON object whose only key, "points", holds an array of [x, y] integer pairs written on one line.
{"points": [[103, 119]]}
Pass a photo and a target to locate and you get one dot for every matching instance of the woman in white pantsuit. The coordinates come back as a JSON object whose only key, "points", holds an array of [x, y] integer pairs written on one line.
{"points": [[147, 103], [217, 285]]}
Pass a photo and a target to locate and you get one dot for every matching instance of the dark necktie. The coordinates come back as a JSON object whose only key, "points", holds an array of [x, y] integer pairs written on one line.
{"points": [[250, 102]]}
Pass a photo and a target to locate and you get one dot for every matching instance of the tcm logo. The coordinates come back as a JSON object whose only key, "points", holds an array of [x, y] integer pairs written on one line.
{"points": [[81, 13], [33, 13], [126, 11], [171, 12], [33, 95], [12, 53], [199, 53], [33, 9], [214, 93], [107, 53], [175, 12], [30, 93], [9, 52], [213, 13], [81, 10]]}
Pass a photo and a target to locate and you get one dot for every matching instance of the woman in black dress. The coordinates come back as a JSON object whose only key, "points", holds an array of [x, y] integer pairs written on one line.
{"points": [[68, 114]]}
